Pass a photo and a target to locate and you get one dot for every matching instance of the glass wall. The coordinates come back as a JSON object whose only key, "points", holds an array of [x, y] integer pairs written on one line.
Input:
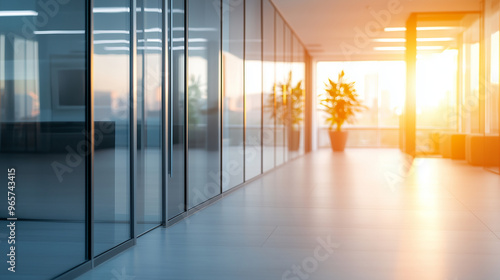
{"points": [[469, 91], [213, 110], [42, 136], [268, 86], [149, 110], [287, 112], [232, 94], [491, 83], [281, 88], [177, 114], [253, 89], [112, 118], [204, 45], [297, 100]]}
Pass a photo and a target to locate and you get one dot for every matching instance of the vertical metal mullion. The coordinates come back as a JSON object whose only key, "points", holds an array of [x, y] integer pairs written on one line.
{"points": [[284, 101], [165, 131], [186, 104], [168, 89], [244, 90], [221, 95], [89, 131], [133, 116], [262, 86], [275, 130]]}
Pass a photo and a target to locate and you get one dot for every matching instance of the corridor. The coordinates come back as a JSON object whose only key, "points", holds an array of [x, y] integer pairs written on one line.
{"points": [[362, 214]]}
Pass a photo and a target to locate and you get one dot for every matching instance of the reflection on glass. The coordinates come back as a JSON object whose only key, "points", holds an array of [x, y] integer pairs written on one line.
{"points": [[281, 79], [268, 86], [297, 136], [204, 37], [233, 99], [176, 186], [112, 127], [149, 120], [42, 137], [469, 87], [253, 89], [287, 100]]}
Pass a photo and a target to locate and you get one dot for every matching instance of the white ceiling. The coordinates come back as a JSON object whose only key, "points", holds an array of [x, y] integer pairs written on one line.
{"points": [[327, 27]]}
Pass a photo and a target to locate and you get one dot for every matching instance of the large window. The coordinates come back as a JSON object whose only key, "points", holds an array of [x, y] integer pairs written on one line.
{"points": [[381, 86]]}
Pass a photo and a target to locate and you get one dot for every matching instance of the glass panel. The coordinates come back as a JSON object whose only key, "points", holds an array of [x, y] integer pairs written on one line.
{"points": [[176, 186], [447, 75], [112, 124], [268, 86], [287, 70], [149, 114], [287, 101], [233, 102], [297, 101], [203, 104], [281, 76], [253, 89], [492, 81], [469, 76], [42, 136]]}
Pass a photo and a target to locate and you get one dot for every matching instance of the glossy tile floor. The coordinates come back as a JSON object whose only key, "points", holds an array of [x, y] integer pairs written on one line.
{"points": [[363, 214]]}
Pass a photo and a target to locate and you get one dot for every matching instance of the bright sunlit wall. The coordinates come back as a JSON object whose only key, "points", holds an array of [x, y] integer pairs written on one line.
{"points": [[381, 86]]}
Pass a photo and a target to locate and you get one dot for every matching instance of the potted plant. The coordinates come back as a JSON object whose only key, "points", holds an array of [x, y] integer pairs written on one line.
{"points": [[340, 102], [289, 109]]}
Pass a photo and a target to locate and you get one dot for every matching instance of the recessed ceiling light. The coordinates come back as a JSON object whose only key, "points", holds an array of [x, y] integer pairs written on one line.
{"points": [[18, 13], [402, 40], [420, 48], [422, 28], [430, 48], [443, 39], [111, 10], [390, 40], [389, 48], [394, 29], [57, 32], [436, 28]]}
